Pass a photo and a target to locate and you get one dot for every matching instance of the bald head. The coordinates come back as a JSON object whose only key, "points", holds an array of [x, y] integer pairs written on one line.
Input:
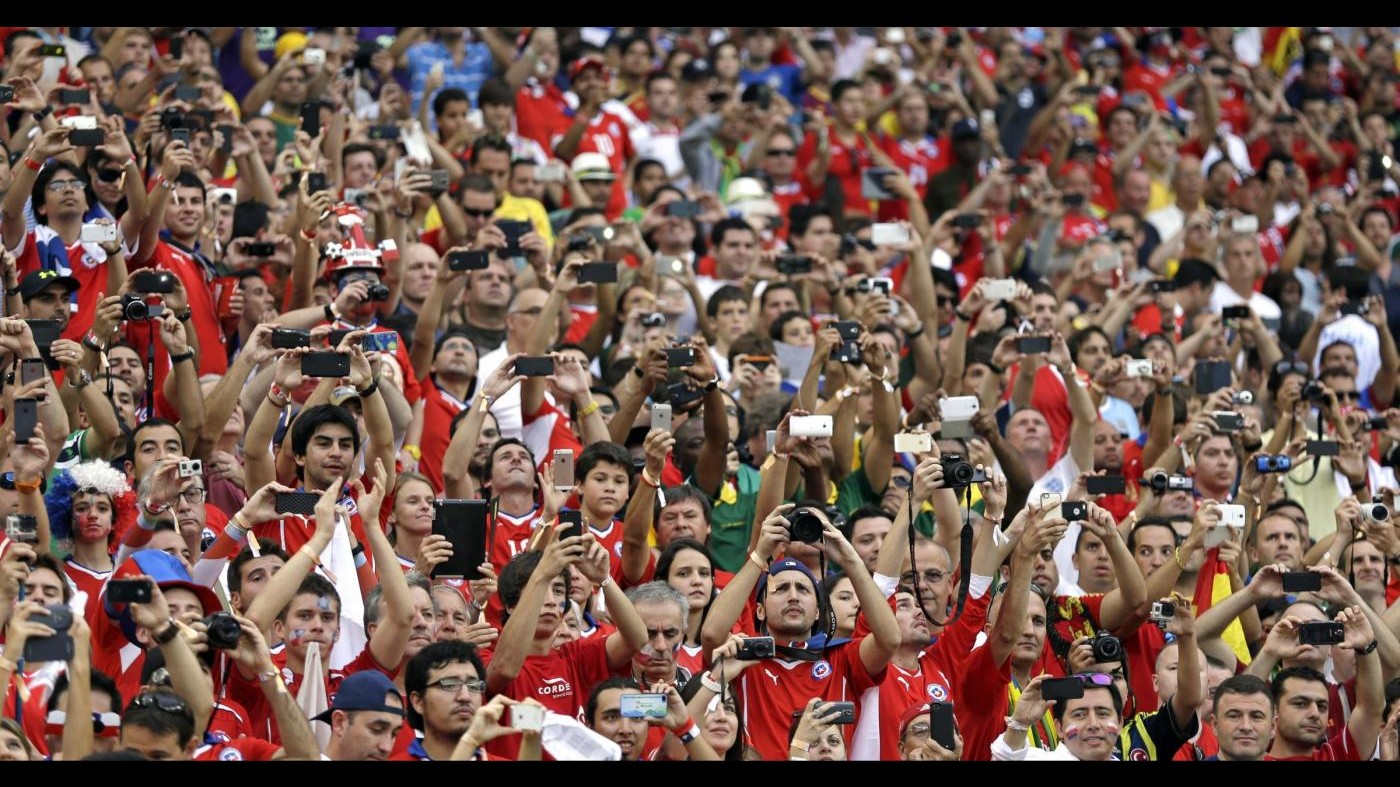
{"points": [[1188, 182]]}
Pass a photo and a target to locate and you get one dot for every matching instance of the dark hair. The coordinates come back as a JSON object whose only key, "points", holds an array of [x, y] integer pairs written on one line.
{"points": [[516, 575], [668, 555], [98, 682], [432, 657], [151, 423], [625, 684], [800, 216], [683, 492], [494, 142], [313, 418], [14, 36], [1151, 521], [494, 92], [1241, 684], [775, 328], [1079, 337], [491, 457], [1299, 672], [612, 453], [41, 185], [158, 721], [778, 286], [750, 344], [475, 181], [447, 95], [1355, 281], [49, 561], [245, 556], [1392, 693], [864, 512], [726, 294], [724, 226], [841, 87], [314, 585], [1058, 711], [362, 147]]}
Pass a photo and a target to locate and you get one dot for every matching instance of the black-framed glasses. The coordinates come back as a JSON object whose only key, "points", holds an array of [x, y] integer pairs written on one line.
{"points": [[478, 213], [170, 703], [194, 495], [782, 152], [454, 685], [931, 575]]}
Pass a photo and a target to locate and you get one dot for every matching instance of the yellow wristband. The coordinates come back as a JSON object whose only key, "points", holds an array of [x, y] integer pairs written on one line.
{"points": [[413, 451], [589, 410]]}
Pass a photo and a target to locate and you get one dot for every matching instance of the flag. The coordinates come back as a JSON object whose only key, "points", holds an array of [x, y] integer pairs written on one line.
{"points": [[311, 697], [1212, 585], [1281, 46]]}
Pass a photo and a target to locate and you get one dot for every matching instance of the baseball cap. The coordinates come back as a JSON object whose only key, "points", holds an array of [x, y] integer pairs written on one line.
{"points": [[910, 714], [343, 394], [289, 42], [168, 572], [592, 166], [36, 282], [587, 61], [1193, 270], [364, 690], [696, 70], [967, 128], [749, 197]]}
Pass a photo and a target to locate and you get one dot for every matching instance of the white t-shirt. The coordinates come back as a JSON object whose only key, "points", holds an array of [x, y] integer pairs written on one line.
{"points": [[1261, 304], [1361, 335]]}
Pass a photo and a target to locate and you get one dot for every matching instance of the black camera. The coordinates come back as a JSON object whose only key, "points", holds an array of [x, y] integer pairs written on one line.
{"points": [[379, 292], [1160, 482], [1313, 392], [654, 320], [957, 472], [1273, 464], [134, 307], [223, 631], [805, 525], [1107, 648]]}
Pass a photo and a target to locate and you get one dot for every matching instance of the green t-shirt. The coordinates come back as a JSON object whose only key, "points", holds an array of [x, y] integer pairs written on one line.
{"points": [[73, 452], [731, 518]]}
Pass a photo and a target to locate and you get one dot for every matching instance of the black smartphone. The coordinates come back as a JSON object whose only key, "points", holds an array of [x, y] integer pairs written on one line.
{"points": [[32, 370], [315, 182], [1087, 90], [967, 220], [683, 209], [1061, 689], [438, 182], [177, 45], [1033, 345], [848, 329], [1157, 286], [7, 94], [177, 135], [570, 523], [1301, 581], [841, 713], [1072, 200], [535, 365], [514, 230], [52, 50], [158, 282], [58, 617], [384, 132], [311, 118], [59, 647], [187, 93], [794, 264], [1106, 485], [1020, 170], [227, 131], [129, 591], [463, 522], [260, 249], [45, 332], [755, 648], [941, 724], [680, 395], [1211, 376], [303, 503], [846, 352], [1323, 632], [1321, 447], [290, 338], [334, 338], [598, 273], [1228, 422], [1074, 510], [468, 260], [87, 137], [325, 364], [74, 96], [26, 419], [678, 357], [1235, 313]]}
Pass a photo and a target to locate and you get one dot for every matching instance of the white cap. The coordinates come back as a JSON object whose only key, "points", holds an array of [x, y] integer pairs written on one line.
{"points": [[749, 197], [592, 166]]}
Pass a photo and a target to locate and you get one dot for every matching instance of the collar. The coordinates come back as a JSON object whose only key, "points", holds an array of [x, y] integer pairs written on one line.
{"points": [[417, 751]]}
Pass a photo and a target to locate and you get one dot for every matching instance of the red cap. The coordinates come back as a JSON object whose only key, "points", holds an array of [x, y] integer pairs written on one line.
{"points": [[910, 714], [589, 61]]}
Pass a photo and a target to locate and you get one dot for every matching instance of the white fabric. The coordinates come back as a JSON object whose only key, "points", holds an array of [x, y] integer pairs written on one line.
{"points": [[311, 697], [1259, 303], [1167, 220], [1000, 751], [338, 560], [1361, 335], [1059, 479]]}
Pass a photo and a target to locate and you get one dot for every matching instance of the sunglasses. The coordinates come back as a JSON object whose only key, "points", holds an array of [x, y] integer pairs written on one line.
{"points": [[478, 213], [1094, 678], [165, 702], [109, 175], [781, 152]]}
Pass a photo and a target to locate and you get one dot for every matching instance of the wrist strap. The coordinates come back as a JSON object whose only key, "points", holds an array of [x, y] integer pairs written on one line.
{"points": [[707, 680], [691, 733], [168, 634], [184, 356], [369, 389], [1012, 724], [1369, 649]]}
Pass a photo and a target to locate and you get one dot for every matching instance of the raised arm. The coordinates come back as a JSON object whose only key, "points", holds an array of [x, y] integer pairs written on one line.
{"points": [[641, 509], [729, 605], [281, 589], [1125, 606], [519, 631]]}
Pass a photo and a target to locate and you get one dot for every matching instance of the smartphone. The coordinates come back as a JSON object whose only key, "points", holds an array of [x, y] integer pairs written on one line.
{"points": [[92, 137], [325, 364], [848, 329], [661, 417], [514, 230], [810, 426], [74, 96], [679, 394], [381, 341], [841, 713], [1211, 376], [535, 366], [880, 283], [187, 93], [262, 248], [1157, 286], [311, 118], [32, 370], [52, 50], [552, 172], [680, 357], [1108, 262], [642, 706], [129, 591], [312, 56], [1244, 225], [438, 182], [755, 648], [303, 503], [942, 725], [1061, 689], [892, 234], [1074, 510], [463, 523], [772, 440], [468, 260], [334, 338], [1235, 313], [7, 94], [45, 332], [959, 408], [564, 469], [1106, 485], [683, 209], [1138, 368], [598, 273], [59, 647], [794, 264], [1321, 447], [1033, 345], [570, 523], [527, 718], [26, 419], [967, 221], [290, 338], [389, 131], [316, 182], [1228, 422], [999, 289], [1301, 581], [1321, 633], [872, 183], [160, 282]]}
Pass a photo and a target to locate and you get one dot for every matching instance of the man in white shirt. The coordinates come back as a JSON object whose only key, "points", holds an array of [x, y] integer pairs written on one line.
{"points": [[659, 136], [1243, 266], [524, 309], [1087, 727], [1188, 184], [1340, 286]]}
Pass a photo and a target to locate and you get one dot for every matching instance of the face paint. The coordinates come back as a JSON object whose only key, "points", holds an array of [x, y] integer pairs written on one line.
{"points": [[1071, 733], [297, 636], [324, 603]]}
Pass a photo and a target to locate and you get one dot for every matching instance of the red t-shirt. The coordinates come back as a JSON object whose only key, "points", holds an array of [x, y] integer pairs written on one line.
{"points": [[1051, 400], [243, 749], [606, 134], [771, 690], [198, 281], [560, 680], [847, 162], [510, 535], [1340, 747], [82, 578], [899, 691], [581, 319], [797, 192], [260, 716], [230, 721], [43, 249], [983, 703], [920, 160], [439, 408], [541, 112]]}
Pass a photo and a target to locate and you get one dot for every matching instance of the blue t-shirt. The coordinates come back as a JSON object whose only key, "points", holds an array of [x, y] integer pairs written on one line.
{"points": [[785, 79], [475, 69]]}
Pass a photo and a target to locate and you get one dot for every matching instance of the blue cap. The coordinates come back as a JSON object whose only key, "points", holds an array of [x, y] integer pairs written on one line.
{"points": [[363, 690]]}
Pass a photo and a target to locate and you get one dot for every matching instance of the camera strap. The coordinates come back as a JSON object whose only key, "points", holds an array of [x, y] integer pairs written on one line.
{"points": [[964, 559], [150, 372]]}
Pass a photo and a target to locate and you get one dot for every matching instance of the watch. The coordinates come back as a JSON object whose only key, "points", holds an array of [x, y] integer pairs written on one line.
{"points": [[84, 379]]}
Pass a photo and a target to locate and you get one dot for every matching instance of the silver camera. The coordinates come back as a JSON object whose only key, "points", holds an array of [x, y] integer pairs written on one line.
{"points": [[1162, 612], [192, 468], [1376, 512], [1243, 397]]}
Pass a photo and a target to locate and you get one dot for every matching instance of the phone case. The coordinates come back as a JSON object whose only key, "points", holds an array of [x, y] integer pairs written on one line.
{"points": [[680, 356], [290, 338], [59, 647], [126, 591], [381, 341], [535, 366], [311, 118], [661, 417], [563, 468], [463, 522], [26, 419], [941, 724], [570, 524], [468, 260], [325, 364], [1106, 485], [598, 273], [303, 503]]}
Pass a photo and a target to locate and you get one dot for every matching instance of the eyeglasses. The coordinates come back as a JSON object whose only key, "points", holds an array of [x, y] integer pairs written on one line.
{"points": [[60, 186], [454, 685], [169, 703], [1095, 678], [477, 213], [194, 495], [1350, 396], [782, 152], [931, 576]]}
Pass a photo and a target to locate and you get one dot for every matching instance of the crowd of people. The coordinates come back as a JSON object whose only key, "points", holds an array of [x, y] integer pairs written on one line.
{"points": [[700, 393]]}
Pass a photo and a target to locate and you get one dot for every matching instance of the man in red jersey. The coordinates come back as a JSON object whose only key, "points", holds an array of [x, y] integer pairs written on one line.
{"points": [[595, 130]]}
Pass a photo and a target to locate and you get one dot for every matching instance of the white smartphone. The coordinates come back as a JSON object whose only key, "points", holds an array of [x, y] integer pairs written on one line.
{"points": [[529, 718], [661, 417], [913, 443], [810, 426], [888, 234], [553, 172], [999, 290], [959, 408], [1108, 262], [312, 56], [79, 121], [772, 438], [1232, 515], [1245, 225], [1138, 368], [415, 144], [99, 233]]}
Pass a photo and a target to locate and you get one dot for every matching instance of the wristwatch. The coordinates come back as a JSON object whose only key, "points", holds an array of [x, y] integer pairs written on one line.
{"points": [[83, 380]]}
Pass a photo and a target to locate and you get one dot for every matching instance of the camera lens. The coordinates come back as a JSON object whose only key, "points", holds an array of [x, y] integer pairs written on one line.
{"points": [[805, 526], [956, 472], [135, 308], [379, 292], [1377, 512], [1158, 482], [222, 630]]}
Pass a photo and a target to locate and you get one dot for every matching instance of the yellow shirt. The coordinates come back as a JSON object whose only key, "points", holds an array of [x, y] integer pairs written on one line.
{"points": [[512, 207]]}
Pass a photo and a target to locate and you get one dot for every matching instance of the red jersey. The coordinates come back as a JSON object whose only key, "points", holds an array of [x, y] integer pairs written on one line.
{"points": [[877, 737], [983, 703], [847, 162], [541, 112], [260, 716], [243, 749], [510, 535], [786, 195], [581, 319], [559, 680], [1340, 747], [230, 721], [197, 276], [919, 159], [606, 134], [42, 249], [439, 408], [771, 690], [82, 578], [1051, 400], [547, 430], [1150, 78]]}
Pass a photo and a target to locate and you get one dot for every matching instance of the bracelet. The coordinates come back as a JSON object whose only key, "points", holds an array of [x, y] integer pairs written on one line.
{"points": [[27, 486], [369, 389], [168, 634], [186, 315], [707, 680], [330, 312], [1012, 724], [413, 451], [1369, 649], [264, 677], [407, 215], [1176, 554], [637, 370], [308, 235], [484, 403], [692, 732], [32, 164], [713, 384], [239, 522], [995, 369], [184, 356], [39, 115], [958, 313], [758, 561], [606, 581], [915, 334], [647, 480], [151, 509], [590, 409]]}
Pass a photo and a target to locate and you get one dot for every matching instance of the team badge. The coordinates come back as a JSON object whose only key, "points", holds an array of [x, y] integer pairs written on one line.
{"points": [[821, 670], [937, 693], [230, 755]]}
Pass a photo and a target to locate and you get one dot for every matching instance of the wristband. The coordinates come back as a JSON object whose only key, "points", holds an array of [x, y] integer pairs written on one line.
{"points": [[588, 410], [233, 531], [151, 509], [1176, 554], [186, 315], [369, 389], [646, 480], [187, 355], [330, 312], [690, 734], [308, 235], [708, 681], [484, 403], [168, 634], [413, 451], [27, 486], [1012, 724], [637, 370], [32, 164], [915, 334], [43, 113], [713, 384], [606, 581], [995, 369], [758, 561], [1369, 649], [958, 314], [360, 560]]}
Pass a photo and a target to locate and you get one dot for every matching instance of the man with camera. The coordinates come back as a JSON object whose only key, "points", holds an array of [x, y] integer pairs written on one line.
{"points": [[1087, 712], [787, 612]]}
